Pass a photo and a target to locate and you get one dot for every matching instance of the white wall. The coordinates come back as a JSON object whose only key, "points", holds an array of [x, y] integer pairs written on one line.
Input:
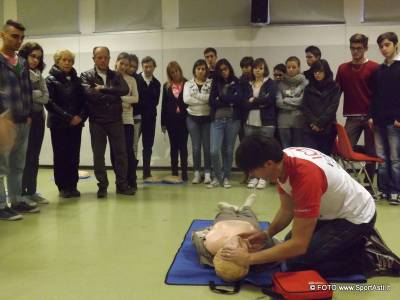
{"points": [[274, 43]]}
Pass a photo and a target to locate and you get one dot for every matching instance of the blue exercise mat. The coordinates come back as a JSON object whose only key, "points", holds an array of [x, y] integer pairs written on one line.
{"points": [[186, 269]]}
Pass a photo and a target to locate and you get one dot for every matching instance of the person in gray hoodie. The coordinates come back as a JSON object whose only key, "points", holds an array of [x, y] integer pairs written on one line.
{"points": [[289, 99], [33, 53]]}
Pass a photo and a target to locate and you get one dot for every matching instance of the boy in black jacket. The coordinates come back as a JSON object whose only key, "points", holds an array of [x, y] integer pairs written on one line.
{"points": [[385, 118], [149, 94]]}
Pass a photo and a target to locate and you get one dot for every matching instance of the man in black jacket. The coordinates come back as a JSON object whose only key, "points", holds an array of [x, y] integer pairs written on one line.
{"points": [[104, 89], [149, 96]]}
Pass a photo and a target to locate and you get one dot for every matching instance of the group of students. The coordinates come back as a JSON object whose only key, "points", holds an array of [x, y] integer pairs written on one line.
{"points": [[213, 107]]}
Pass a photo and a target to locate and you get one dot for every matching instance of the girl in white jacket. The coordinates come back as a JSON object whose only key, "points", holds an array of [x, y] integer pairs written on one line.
{"points": [[195, 94]]}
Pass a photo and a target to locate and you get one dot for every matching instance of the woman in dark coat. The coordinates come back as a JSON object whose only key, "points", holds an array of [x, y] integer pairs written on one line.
{"points": [[320, 103], [67, 114]]}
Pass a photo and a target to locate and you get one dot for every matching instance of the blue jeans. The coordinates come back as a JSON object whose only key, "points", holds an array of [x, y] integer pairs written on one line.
{"points": [[291, 137], [223, 136], [12, 165], [387, 145], [200, 135], [267, 131]]}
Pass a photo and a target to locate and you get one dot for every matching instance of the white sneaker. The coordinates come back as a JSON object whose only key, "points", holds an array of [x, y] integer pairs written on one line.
{"points": [[38, 199], [28, 201], [394, 199], [207, 178], [213, 184], [252, 183], [196, 178], [227, 184], [261, 184]]}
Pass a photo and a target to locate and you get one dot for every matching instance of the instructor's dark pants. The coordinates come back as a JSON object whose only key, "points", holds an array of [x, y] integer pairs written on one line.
{"points": [[336, 248]]}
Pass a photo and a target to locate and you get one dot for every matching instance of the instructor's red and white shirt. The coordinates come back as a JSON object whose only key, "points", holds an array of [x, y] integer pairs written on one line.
{"points": [[320, 188]]}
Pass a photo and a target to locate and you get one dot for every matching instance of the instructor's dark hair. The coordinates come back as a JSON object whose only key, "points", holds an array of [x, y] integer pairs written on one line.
{"points": [[255, 150]]}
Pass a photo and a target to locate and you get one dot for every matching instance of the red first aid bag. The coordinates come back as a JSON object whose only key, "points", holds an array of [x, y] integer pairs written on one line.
{"points": [[301, 285]]}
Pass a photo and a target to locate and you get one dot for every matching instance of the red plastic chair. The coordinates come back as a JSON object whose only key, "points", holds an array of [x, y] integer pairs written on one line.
{"points": [[347, 155]]}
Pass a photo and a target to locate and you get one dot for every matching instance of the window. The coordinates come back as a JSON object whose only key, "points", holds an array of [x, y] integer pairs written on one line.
{"points": [[214, 13], [306, 11], [122, 15], [47, 17], [381, 11]]}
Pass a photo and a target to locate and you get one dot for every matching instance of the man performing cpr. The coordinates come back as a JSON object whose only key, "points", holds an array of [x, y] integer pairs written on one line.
{"points": [[332, 215]]}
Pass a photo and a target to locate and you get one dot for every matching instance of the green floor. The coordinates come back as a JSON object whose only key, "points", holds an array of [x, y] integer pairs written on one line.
{"points": [[121, 248]]}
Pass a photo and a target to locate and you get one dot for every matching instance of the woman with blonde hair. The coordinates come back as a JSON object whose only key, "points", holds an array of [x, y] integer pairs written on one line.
{"points": [[122, 66], [67, 115], [173, 118]]}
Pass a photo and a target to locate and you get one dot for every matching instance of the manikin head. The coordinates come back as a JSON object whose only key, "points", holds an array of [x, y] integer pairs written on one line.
{"points": [[228, 270]]}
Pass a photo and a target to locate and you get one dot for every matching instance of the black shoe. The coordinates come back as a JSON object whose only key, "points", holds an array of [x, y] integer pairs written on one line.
{"points": [[383, 264], [383, 260], [184, 176], [8, 214], [75, 193], [375, 241], [126, 191], [102, 193], [22, 207], [134, 186], [65, 194]]}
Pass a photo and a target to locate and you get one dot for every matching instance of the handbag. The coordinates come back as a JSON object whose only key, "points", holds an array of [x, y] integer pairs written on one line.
{"points": [[302, 285]]}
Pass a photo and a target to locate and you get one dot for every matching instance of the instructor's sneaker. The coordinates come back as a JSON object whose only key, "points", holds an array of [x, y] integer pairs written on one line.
{"points": [[7, 214], [382, 259], [23, 207], [383, 264]]}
